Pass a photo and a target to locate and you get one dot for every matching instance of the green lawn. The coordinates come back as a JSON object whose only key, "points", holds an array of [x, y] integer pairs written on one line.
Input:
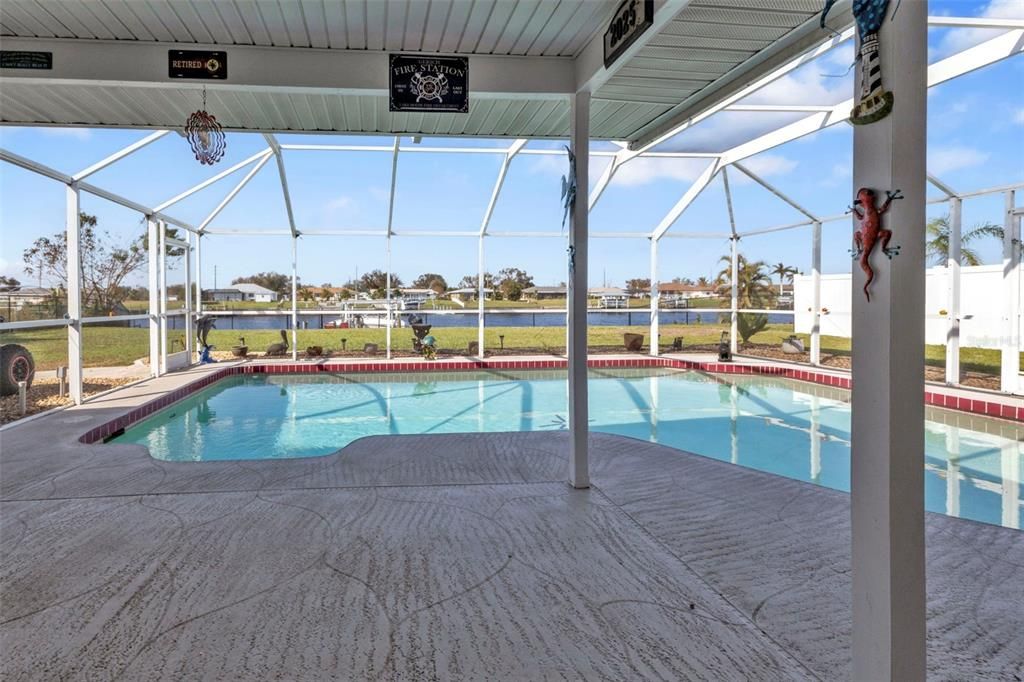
{"points": [[110, 346]]}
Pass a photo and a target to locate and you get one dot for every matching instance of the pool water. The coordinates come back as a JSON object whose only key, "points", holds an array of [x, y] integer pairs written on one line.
{"points": [[973, 465]]}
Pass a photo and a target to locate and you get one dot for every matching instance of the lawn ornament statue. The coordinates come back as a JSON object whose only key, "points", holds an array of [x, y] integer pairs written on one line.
{"points": [[204, 323], [569, 187], [429, 347], [724, 349], [870, 231], [874, 103], [279, 348]]}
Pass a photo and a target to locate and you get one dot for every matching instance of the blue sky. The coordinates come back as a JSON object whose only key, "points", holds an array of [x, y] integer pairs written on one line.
{"points": [[975, 136]]}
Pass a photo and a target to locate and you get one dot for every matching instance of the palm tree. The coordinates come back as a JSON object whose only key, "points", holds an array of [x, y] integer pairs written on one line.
{"points": [[753, 290], [784, 272], [937, 246]]}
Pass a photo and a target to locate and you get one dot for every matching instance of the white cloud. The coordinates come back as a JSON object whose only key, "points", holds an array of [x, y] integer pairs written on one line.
{"points": [[958, 39], [641, 171], [1018, 117], [554, 165], [341, 203], [954, 157], [767, 165], [76, 133]]}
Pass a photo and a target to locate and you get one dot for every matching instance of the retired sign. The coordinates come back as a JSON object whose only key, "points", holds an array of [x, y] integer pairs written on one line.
{"points": [[429, 83], [197, 64], [629, 22]]}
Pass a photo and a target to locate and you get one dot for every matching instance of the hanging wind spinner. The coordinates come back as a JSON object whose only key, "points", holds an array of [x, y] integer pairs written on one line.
{"points": [[205, 136]]}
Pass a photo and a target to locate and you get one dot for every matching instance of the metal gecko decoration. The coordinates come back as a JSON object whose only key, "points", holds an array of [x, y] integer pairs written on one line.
{"points": [[870, 231], [205, 136], [875, 103], [569, 187], [572, 258]]}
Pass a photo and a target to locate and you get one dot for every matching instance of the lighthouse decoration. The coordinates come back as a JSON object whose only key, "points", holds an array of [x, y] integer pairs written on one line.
{"points": [[874, 103]]}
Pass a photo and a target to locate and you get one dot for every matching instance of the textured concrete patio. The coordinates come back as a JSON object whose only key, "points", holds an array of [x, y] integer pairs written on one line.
{"points": [[452, 557]]}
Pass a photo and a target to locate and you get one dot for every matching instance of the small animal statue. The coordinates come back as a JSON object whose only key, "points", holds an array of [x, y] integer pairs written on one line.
{"points": [[870, 231], [875, 103], [204, 323], [429, 346], [279, 348]]}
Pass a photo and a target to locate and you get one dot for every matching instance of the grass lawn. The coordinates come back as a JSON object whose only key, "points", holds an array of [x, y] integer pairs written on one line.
{"points": [[112, 346]]}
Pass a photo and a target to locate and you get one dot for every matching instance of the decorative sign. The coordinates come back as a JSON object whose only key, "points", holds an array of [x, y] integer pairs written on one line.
{"points": [[197, 64], [629, 22], [429, 83], [16, 59]]}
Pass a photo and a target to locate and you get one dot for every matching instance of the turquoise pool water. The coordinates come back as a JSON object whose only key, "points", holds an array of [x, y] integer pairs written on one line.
{"points": [[973, 465]]}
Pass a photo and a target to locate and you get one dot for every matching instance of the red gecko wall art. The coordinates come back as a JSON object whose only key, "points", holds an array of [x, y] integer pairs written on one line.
{"points": [[870, 231]]}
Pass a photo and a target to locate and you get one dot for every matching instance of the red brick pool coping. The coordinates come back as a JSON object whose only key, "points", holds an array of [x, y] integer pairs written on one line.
{"points": [[986, 408]]}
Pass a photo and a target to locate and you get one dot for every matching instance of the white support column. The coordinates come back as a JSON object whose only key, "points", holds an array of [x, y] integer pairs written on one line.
{"points": [[1010, 459], [295, 298], [887, 454], [734, 275], [387, 299], [154, 300], [480, 300], [74, 270], [162, 292], [816, 292], [952, 471], [189, 324], [1010, 364], [199, 274], [655, 321], [953, 288], [391, 215], [815, 433], [579, 136]]}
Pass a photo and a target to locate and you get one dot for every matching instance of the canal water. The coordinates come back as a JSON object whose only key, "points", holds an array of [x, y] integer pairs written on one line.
{"points": [[596, 318]]}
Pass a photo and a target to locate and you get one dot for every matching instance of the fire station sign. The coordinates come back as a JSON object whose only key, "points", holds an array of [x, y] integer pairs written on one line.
{"points": [[197, 64], [429, 83], [629, 22]]}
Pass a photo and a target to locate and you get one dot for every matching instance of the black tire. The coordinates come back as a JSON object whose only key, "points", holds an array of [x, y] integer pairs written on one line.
{"points": [[16, 364]]}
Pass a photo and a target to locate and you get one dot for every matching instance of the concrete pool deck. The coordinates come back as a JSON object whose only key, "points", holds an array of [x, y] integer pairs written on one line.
{"points": [[451, 557]]}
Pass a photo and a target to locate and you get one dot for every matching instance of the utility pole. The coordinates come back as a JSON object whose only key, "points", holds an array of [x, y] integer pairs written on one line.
{"points": [[214, 276]]}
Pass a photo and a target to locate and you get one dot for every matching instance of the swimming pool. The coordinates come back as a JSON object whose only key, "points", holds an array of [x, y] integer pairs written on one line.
{"points": [[973, 465]]}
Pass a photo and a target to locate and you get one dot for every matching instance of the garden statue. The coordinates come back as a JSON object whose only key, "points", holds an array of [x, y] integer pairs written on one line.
{"points": [[279, 348], [204, 323], [429, 347]]}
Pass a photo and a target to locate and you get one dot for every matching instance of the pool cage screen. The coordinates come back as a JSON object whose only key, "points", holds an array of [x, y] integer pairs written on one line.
{"points": [[719, 167]]}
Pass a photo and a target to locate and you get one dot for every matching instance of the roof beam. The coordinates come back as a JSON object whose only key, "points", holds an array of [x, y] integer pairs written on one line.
{"points": [[976, 22], [394, 180], [130, 64], [796, 48], [276, 149], [219, 176], [774, 190], [233, 193], [117, 156], [688, 198], [502, 172], [591, 73], [946, 189], [991, 51]]}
